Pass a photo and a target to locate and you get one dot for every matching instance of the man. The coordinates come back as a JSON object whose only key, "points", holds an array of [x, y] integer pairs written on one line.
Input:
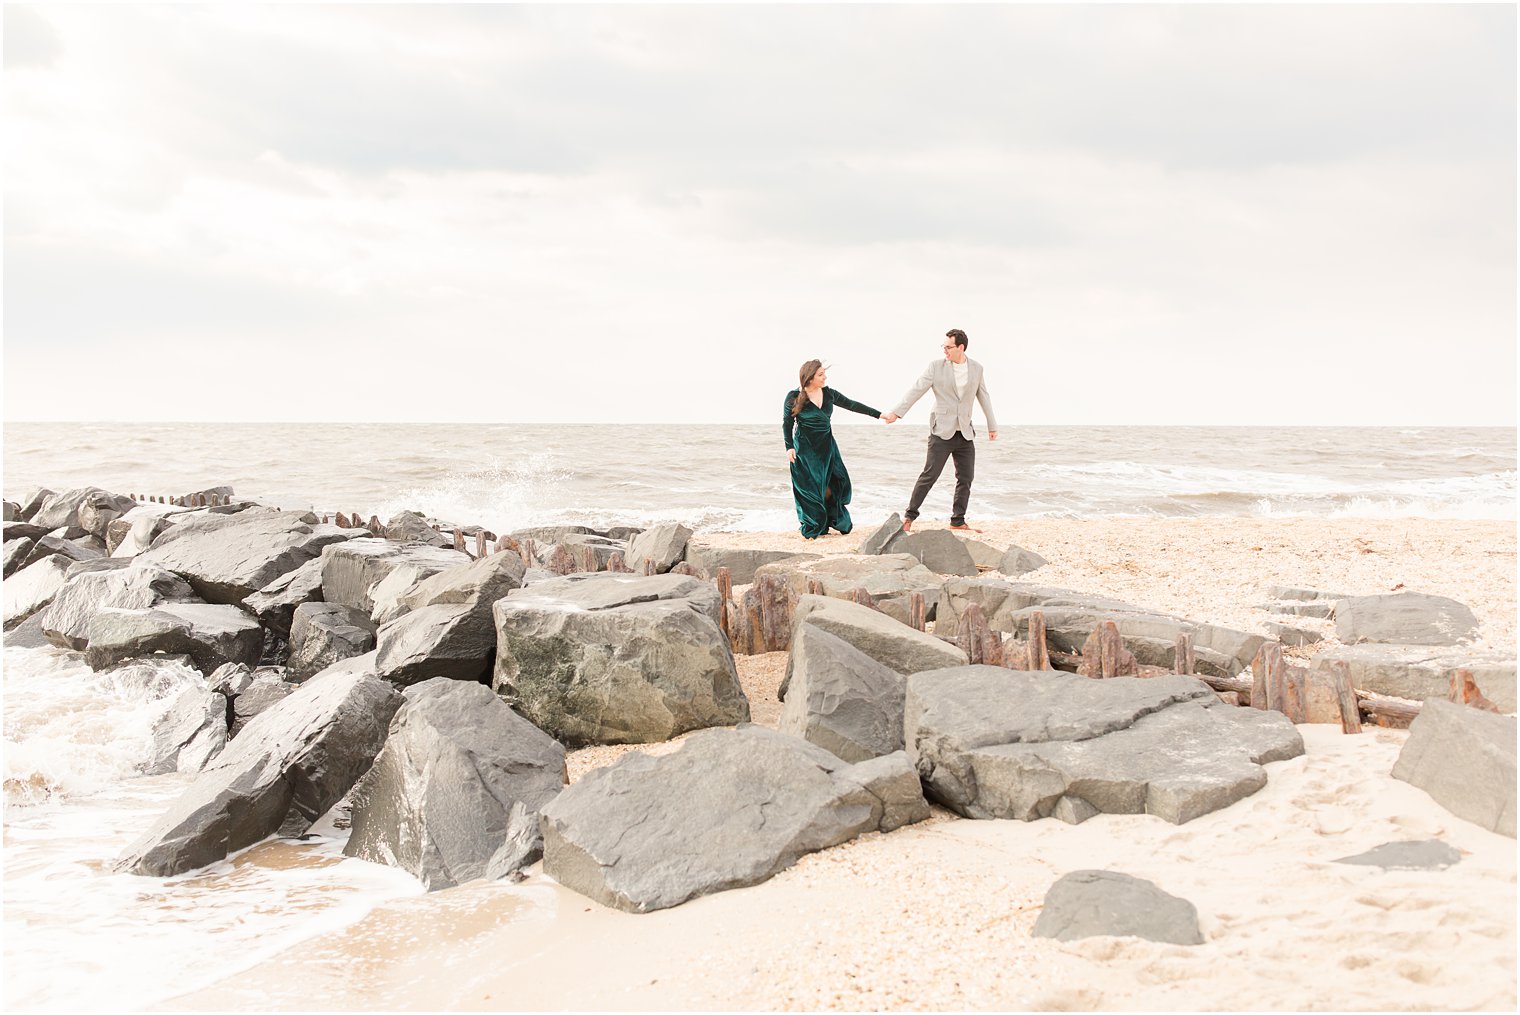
{"points": [[957, 382]]}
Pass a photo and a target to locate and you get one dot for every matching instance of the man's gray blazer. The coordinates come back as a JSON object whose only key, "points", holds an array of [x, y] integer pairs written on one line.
{"points": [[952, 412]]}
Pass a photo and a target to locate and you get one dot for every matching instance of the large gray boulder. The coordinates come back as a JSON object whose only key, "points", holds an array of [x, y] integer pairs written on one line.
{"points": [[84, 510], [890, 578], [411, 527], [896, 646], [939, 550], [453, 640], [211, 635], [1465, 759], [479, 584], [840, 698], [997, 743], [456, 791], [68, 618], [227, 558], [134, 532], [1407, 855], [16, 552], [189, 734], [266, 689], [55, 545], [350, 570], [12, 511], [289, 766], [275, 604], [33, 501], [27, 634], [323, 633], [741, 563], [30, 589], [730, 808], [1404, 618], [1097, 903], [665, 544], [616, 658], [1016, 561], [1417, 672], [881, 540]]}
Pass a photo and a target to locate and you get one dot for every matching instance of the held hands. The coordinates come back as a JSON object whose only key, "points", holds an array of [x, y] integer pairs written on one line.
{"points": [[890, 417]]}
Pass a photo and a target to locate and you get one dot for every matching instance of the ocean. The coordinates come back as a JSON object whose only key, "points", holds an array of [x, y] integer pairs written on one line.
{"points": [[735, 478], [77, 936]]}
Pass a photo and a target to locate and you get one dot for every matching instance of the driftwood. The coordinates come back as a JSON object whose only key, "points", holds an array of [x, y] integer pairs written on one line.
{"points": [[1394, 713], [975, 638], [1038, 651], [1239, 686], [1464, 691], [725, 580], [1104, 654], [916, 611]]}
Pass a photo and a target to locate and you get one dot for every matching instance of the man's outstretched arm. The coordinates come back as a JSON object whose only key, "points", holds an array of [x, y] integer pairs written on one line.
{"points": [[916, 392]]}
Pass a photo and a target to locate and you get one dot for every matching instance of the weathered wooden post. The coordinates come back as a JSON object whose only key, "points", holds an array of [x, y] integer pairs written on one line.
{"points": [[1295, 681], [529, 552], [689, 569], [1185, 662], [459, 540], [864, 598], [480, 543], [616, 563], [1104, 655], [1039, 652], [376, 526], [340, 520], [916, 611], [559, 562], [1345, 695], [971, 634], [1267, 690], [725, 580], [1465, 691]]}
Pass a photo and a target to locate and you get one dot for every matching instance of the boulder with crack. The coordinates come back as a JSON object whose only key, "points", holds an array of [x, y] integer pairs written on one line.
{"points": [[997, 743], [604, 658], [323, 633], [456, 791], [289, 766], [741, 563], [730, 808]]}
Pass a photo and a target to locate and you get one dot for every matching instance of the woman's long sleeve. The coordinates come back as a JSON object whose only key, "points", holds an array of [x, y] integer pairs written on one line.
{"points": [[787, 419], [854, 406]]}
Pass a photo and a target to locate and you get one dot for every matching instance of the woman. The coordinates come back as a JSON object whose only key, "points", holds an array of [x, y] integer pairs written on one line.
{"points": [[820, 484]]}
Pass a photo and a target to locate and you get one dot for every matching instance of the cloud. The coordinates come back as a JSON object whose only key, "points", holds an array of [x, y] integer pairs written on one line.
{"points": [[30, 41]]}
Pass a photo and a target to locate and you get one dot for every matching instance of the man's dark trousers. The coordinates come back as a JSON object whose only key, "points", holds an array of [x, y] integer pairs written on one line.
{"points": [[941, 448]]}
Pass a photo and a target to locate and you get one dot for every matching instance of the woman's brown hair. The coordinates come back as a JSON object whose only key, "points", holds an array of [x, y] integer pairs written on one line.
{"points": [[804, 378]]}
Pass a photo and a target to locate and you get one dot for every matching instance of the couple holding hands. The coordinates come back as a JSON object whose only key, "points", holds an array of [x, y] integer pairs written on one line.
{"points": [[820, 484]]}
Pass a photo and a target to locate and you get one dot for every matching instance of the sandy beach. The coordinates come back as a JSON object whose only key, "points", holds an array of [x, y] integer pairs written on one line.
{"points": [[938, 915]]}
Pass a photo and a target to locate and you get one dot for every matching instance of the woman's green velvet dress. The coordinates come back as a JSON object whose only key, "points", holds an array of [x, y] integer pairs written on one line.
{"points": [[820, 484]]}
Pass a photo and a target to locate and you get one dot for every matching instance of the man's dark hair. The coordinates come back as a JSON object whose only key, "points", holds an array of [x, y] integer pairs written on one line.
{"points": [[959, 336]]}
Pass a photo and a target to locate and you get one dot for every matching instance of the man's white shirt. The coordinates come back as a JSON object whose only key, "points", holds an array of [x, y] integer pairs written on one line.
{"points": [[961, 371]]}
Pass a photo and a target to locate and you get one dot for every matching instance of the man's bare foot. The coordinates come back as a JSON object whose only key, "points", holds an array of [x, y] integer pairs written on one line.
{"points": [[964, 528]]}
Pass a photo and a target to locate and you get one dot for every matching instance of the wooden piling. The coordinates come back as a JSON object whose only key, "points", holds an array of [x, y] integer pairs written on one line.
{"points": [[1465, 691], [1184, 662], [725, 580], [1345, 695], [615, 563], [1295, 691], [916, 611], [459, 540], [1104, 655], [1039, 652]]}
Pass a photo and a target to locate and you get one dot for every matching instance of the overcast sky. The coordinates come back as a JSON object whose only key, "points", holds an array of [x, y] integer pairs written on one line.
{"points": [[1139, 214]]}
